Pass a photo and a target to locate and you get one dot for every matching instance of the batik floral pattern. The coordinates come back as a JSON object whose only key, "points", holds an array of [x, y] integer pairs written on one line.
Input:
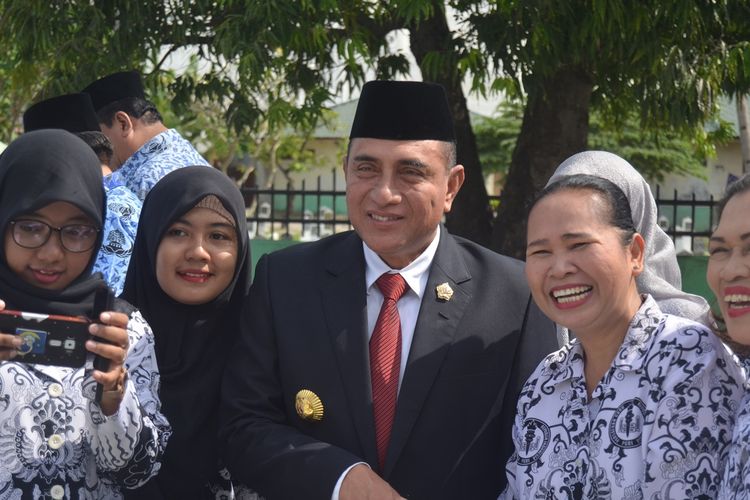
{"points": [[56, 443], [657, 426], [164, 153], [736, 481], [120, 228]]}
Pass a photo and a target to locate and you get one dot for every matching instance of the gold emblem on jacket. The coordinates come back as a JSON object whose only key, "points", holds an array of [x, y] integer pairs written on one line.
{"points": [[309, 406], [444, 291]]}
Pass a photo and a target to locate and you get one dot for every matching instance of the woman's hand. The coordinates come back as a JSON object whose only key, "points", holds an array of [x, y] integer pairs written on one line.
{"points": [[9, 343], [112, 344]]}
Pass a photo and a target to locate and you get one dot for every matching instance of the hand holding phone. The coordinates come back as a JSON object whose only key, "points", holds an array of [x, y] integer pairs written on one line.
{"points": [[109, 342], [43, 338]]}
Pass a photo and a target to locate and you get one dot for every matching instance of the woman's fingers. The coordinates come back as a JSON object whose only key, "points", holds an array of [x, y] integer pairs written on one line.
{"points": [[9, 345], [110, 341], [112, 329], [114, 318], [114, 353], [109, 380], [9, 341]]}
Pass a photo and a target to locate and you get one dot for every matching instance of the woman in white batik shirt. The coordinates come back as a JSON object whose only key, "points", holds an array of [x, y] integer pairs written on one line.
{"points": [[728, 275], [57, 440], [641, 403]]}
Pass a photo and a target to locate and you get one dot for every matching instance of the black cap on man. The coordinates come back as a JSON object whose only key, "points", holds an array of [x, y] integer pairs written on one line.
{"points": [[403, 111], [72, 112], [115, 87]]}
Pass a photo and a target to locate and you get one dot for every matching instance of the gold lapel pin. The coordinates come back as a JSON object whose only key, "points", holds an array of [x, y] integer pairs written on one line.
{"points": [[309, 406], [444, 291]]}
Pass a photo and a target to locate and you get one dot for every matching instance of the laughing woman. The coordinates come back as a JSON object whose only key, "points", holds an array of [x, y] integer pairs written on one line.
{"points": [[641, 403], [189, 273], [660, 277], [728, 276]]}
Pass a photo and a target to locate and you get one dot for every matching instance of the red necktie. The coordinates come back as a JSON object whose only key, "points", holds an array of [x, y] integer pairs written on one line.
{"points": [[385, 360]]}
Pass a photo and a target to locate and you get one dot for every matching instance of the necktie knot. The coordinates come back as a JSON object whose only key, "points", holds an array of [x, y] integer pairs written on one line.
{"points": [[392, 286]]}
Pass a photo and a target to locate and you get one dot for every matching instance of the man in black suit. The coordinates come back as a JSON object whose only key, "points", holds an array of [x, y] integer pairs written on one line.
{"points": [[338, 390]]}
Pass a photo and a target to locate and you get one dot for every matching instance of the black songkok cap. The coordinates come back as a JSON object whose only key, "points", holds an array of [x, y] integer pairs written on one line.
{"points": [[71, 112], [115, 87], [403, 111]]}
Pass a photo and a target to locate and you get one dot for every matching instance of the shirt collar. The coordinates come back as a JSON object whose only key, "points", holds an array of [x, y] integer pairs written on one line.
{"points": [[154, 145], [415, 274], [645, 325]]}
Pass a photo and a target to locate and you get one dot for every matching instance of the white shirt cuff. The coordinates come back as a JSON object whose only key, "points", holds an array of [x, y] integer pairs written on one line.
{"points": [[337, 488]]}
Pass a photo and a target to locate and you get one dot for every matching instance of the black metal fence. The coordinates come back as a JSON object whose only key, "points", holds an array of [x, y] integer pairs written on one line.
{"points": [[687, 220], [306, 214], [311, 212]]}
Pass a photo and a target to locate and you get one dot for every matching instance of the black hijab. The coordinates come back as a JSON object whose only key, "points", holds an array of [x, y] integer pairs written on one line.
{"points": [[37, 169], [192, 341]]}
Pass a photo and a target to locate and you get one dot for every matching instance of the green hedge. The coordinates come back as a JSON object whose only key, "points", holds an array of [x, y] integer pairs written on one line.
{"points": [[693, 268]]}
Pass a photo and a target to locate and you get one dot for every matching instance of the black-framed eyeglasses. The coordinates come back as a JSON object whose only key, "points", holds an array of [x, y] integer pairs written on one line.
{"points": [[76, 238]]}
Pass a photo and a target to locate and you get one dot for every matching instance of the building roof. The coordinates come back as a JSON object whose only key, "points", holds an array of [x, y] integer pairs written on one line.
{"points": [[341, 116], [338, 121], [727, 113]]}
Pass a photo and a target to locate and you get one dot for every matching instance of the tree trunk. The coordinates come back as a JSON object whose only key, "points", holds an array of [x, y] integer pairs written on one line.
{"points": [[744, 126], [555, 126], [470, 216]]}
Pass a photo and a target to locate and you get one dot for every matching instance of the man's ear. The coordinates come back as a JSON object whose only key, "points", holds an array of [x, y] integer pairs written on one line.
{"points": [[455, 181], [123, 123]]}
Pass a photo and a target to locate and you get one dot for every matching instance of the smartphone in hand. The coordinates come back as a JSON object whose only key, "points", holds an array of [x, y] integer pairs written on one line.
{"points": [[48, 339], [104, 300]]}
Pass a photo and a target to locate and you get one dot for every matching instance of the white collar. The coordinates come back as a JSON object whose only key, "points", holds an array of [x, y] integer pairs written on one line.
{"points": [[415, 274]]}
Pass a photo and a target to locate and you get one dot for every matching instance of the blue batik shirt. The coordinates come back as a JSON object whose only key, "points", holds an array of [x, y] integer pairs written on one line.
{"points": [[164, 153], [120, 226]]}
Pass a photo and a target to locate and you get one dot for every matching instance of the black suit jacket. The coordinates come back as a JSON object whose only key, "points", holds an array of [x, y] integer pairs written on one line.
{"points": [[305, 327]]}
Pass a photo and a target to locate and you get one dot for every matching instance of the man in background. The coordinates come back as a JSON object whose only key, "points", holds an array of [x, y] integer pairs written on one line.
{"points": [[145, 150]]}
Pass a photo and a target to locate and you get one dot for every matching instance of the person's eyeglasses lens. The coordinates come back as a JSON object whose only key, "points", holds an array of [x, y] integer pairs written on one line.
{"points": [[74, 237]]}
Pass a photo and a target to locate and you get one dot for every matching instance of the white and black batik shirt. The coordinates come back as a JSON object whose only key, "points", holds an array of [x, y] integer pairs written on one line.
{"points": [[657, 426], [55, 443], [736, 481]]}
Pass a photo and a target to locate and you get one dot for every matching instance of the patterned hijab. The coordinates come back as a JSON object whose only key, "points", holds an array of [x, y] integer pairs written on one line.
{"points": [[37, 169], [661, 276]]}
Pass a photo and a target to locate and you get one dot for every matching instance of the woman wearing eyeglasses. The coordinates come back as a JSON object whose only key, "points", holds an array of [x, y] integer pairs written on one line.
{"points": [[57, 439]]}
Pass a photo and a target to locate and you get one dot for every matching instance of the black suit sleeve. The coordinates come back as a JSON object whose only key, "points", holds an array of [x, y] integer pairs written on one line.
{"points": [[262, 448]]}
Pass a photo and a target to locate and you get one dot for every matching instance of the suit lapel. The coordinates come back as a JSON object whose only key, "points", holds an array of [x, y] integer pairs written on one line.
{"points": [[345, 307], [433, 335]]}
